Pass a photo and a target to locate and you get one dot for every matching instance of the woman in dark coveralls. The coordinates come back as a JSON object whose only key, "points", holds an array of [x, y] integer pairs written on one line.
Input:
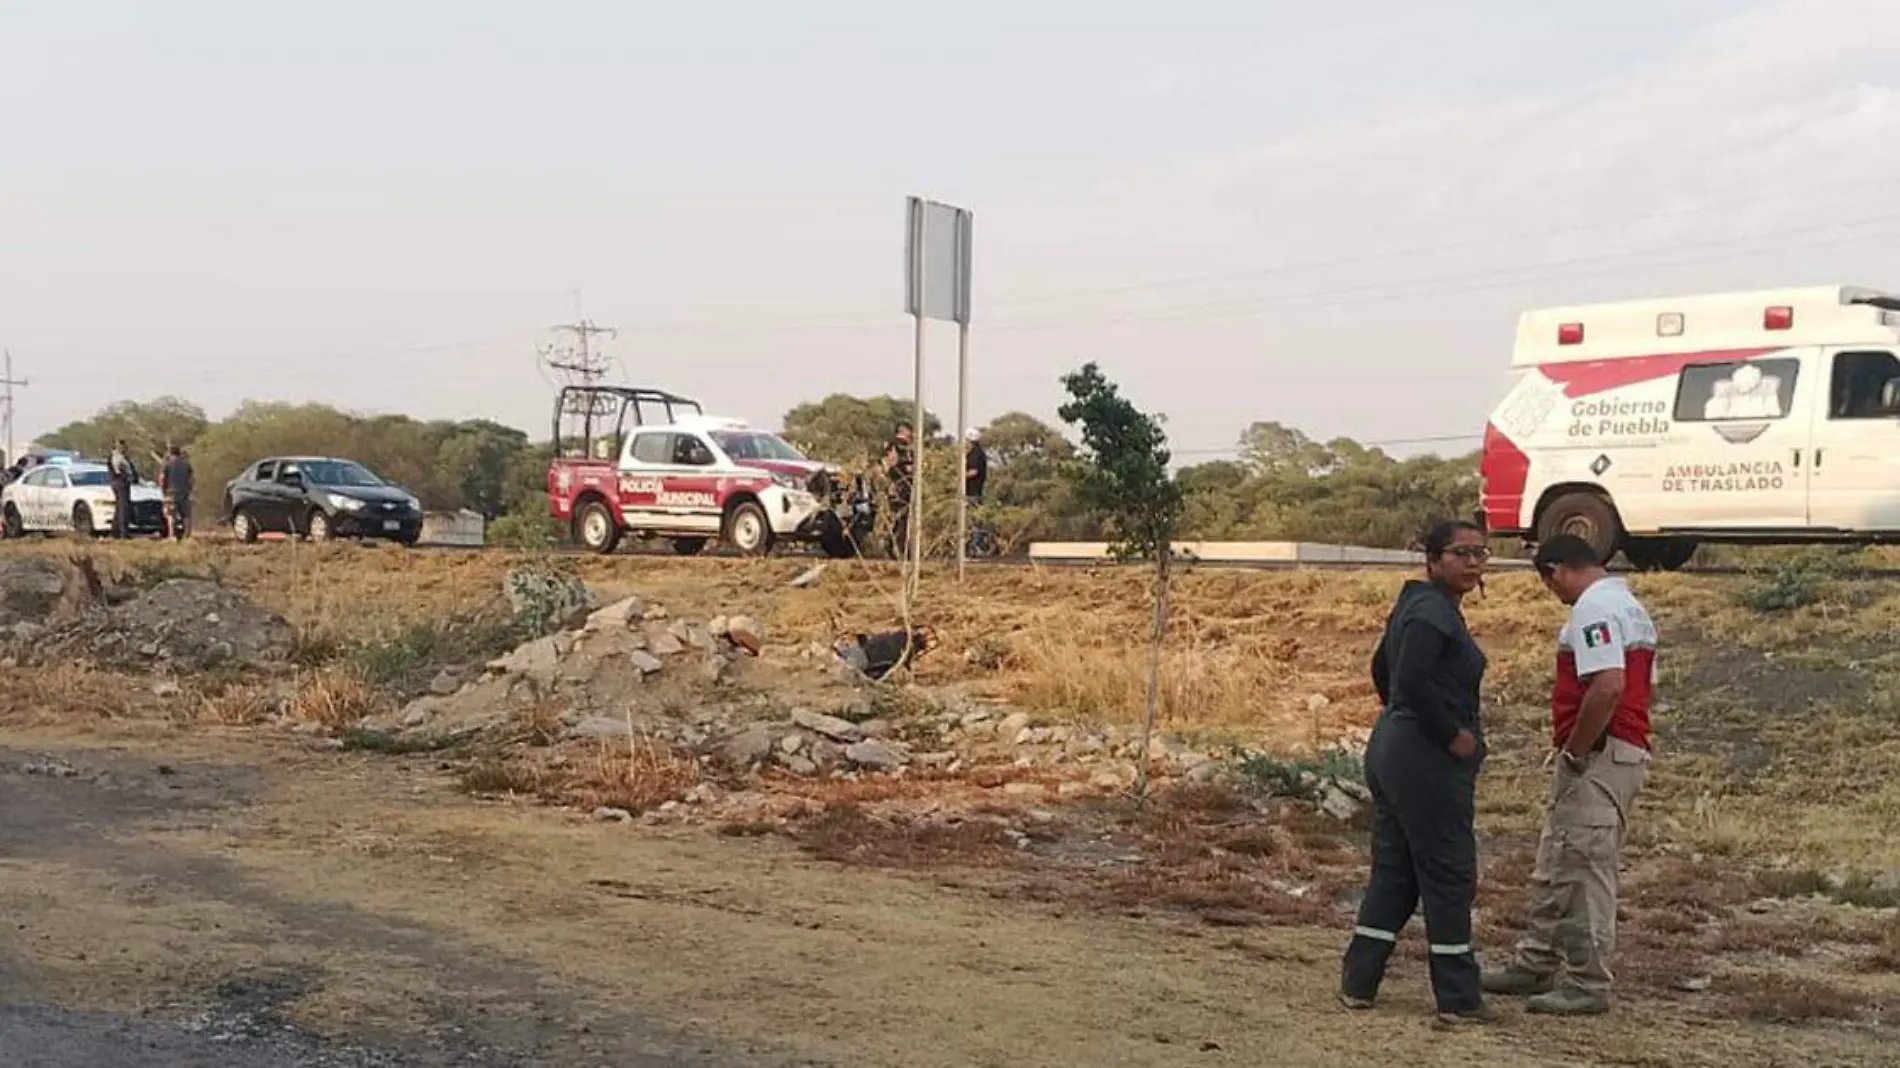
{"points": [[1422, 765]]}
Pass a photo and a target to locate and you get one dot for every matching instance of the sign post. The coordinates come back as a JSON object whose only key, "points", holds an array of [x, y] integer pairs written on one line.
{"points": [[937, 286]]}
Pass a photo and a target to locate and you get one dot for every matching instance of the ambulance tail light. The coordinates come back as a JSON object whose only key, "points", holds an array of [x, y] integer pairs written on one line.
{"points": [[1570, 334], [1779, 317]]}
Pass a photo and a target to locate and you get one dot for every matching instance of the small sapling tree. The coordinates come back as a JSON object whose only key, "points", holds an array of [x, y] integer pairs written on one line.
{"points": [[1122, 476]]}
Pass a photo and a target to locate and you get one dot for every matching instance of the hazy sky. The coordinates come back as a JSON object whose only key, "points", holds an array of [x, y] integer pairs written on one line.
{"points": [[1324, 214]]}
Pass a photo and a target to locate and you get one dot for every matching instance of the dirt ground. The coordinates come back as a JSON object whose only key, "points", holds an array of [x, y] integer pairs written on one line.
{"points": [[179, 892]]}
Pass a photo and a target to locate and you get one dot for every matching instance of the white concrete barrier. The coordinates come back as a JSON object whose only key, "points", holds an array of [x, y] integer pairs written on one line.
{"points": [[1264, 553], [463, 528]]}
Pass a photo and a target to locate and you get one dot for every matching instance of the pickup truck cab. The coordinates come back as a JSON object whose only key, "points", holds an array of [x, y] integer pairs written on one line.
{"points": [[643, 463]]}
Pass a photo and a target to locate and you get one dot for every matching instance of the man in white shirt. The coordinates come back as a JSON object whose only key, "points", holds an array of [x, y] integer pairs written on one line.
{"points": [[1606, 663]]}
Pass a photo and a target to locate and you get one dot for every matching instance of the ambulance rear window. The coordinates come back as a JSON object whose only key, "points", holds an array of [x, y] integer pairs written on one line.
{"points": [[1748, 390]]}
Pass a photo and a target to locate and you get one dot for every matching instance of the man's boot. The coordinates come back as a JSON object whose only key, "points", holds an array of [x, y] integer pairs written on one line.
{"points": [[1516, 981], [1569, 1001]]}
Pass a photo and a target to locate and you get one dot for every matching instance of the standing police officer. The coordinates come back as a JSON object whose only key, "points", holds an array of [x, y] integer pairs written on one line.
{"points": [[1422, 766]]}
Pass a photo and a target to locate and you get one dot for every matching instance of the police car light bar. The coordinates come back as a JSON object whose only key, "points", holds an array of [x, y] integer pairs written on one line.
{"points": [[1779, 317], [1570, 334]]}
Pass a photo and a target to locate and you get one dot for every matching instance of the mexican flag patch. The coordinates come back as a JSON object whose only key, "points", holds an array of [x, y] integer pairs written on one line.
{"points": [[1596, 634]]}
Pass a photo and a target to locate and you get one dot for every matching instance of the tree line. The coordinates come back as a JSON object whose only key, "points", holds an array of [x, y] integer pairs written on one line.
{"points": [[1279, 484]]}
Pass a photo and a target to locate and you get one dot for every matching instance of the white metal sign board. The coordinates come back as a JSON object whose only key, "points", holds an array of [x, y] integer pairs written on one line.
{"points": [[937, 262]]}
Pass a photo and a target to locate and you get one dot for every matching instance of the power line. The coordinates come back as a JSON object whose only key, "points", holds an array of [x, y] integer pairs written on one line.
{"points": [[573, 355], [1409, 252]]}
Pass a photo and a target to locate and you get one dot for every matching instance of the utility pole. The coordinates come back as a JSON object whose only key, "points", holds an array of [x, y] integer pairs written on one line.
{"points": [[7, 382], [573, 354], [574, 357]]}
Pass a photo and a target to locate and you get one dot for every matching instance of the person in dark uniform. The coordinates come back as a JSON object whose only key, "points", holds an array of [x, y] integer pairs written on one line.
{"points": [[122, 476], [976, 469], [1422, 765], [175, 479], [900, 468]]}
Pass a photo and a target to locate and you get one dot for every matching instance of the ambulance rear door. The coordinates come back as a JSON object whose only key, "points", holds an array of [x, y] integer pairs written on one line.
{"points": [[1738, 444], [1855, 484]]}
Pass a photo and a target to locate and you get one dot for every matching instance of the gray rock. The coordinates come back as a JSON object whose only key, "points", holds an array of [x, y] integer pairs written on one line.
{"points": [[647, 663], [663, 643], [825, 754], [799, 766], [537, 660], [714, 669], [617, 616], [876, 755], [1012, 726], [830, 726], [417, 713], [445, 684], [746, 633], [606, 814], [749, 747], [700, 638], [599, 728], [808, 578], [1338, 804], [719, 627], [791, 743]]}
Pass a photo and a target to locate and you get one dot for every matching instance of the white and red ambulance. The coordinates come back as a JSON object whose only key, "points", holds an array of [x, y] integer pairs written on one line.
{"points": [[1651, 426]]}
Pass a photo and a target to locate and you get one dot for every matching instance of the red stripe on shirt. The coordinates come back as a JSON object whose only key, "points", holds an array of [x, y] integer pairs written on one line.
{"points": [[1630, 721]]}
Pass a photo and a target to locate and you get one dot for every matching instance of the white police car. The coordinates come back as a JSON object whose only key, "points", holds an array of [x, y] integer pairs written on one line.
{"points": [[76, 496]]}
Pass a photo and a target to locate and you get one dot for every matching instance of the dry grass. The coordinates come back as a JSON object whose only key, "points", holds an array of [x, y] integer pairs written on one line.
{"points": [[638, 777], [60, 691], [1787, 998], [335, 698], [237, 706]]}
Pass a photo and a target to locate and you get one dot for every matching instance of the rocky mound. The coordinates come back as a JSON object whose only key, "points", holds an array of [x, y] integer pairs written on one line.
{"points": [[55, 611], [31, 588]]}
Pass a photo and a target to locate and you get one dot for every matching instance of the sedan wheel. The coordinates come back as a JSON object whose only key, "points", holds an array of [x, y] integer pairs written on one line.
{"points": [[244, 527]]}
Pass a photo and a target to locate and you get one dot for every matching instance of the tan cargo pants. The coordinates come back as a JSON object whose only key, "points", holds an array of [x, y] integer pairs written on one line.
{"points": [[1571, 930]]}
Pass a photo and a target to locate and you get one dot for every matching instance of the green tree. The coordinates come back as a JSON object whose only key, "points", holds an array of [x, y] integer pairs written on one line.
{"points": [[1123, 476], [147, 427], [852, 431]]}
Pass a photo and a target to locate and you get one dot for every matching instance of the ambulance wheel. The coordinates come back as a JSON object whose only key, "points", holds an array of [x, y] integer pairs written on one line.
{"points": [[596, 528], [689, 546], [748, 531], [1658, 554], [1586, 515]]}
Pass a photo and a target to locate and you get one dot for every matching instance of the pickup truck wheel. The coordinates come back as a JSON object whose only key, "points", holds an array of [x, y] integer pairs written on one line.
{"points": [[82, 521], [596, 527], [1586, 515], [689, 546], [748, 531], [318, 525], [244, 526], [14, 526]]}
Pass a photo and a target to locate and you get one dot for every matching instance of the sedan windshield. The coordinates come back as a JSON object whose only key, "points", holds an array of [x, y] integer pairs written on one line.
{"points": [[338, 473], [755, 445], [89, 478]]}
